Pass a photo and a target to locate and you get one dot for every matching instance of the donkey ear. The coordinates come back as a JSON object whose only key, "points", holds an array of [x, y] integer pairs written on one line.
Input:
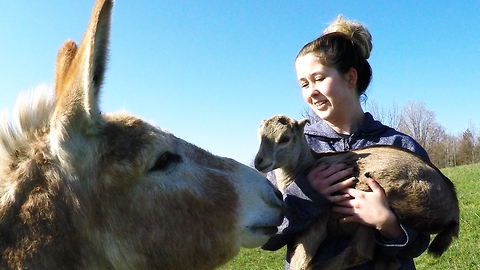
{"points": [[79, 76], [64, 60]]}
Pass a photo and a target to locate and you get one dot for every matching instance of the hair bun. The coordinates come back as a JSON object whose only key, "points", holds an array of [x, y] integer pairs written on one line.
{"points": [[355, 30]]}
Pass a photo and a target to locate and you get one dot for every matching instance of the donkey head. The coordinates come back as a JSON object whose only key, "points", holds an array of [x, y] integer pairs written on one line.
{"points": [[119, 192]]}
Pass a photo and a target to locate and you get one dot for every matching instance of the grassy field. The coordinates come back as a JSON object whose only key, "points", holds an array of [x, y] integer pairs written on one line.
{"points": [[464, 253]]}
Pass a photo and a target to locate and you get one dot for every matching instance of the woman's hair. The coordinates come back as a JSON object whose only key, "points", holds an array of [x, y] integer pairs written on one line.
{"points": [[344, 44]]}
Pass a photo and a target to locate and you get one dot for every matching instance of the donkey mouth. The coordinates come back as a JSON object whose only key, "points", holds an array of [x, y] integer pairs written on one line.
{"points": [[266, 230], [264, 168]]}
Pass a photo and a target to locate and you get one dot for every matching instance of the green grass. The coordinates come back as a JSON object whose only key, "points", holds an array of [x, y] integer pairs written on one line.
{"points": [[463, 254]]}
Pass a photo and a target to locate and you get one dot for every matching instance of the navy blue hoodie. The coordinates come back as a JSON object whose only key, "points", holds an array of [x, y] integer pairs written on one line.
{"points": [[304, 205]]}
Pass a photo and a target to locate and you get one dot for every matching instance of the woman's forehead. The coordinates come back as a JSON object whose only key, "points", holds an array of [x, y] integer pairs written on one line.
{"points": [[310, 65]]}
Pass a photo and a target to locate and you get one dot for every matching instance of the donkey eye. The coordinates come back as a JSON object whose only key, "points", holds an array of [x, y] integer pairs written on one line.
{"points": [[165, 160]]}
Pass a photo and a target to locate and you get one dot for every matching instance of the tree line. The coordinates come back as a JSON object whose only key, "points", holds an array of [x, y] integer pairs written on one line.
{"points": [[415, 120]]}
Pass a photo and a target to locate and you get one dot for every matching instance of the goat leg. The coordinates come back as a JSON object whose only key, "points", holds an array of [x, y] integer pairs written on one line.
{"points": [[308, 243], [359, 251]]}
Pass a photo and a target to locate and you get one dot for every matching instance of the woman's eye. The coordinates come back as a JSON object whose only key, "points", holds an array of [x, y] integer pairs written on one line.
{"points": [[319, 79], [165, 160]]}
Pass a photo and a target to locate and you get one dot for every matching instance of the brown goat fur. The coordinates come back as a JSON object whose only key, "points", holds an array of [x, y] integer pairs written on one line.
{"points": [[81, 189], [417, 192]]}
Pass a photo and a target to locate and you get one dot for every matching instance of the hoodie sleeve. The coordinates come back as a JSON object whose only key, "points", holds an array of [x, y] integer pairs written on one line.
{"points": [[304, 205], [409, 245]]}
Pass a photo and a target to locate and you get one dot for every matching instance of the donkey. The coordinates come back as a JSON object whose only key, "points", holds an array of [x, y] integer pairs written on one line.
{"points": [[419, 194], [83, 189]]}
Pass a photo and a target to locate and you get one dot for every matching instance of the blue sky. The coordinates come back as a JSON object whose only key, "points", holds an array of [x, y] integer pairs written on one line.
{"points": [[210, 71]]}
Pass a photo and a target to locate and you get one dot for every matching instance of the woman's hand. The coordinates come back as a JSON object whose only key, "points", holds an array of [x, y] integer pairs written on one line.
{"points": [[326, 180], [369, 208]]}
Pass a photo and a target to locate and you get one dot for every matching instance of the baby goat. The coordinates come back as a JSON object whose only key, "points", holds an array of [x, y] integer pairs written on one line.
{"points": [[418, 193]]}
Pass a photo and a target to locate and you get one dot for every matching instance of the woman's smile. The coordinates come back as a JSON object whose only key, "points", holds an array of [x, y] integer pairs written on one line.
{"points": [[320, 104]]}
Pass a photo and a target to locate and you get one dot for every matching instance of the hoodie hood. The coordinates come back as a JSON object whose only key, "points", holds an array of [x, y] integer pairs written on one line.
{"points": [[369, 127]]}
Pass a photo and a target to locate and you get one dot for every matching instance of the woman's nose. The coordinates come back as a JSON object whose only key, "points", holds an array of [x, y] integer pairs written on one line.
{"points": [[312, 90]]}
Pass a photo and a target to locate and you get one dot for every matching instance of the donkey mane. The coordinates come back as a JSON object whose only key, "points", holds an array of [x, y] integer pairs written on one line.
{"points": [[25, 192], [32, 112]]}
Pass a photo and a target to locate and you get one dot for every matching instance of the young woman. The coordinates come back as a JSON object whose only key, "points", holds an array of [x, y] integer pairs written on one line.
{"points": [[334, 73]]}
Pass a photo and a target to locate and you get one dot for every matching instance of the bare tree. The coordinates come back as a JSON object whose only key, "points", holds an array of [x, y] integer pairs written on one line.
{"points": [[475, 142], [376, 110], [310, 115], [389, 117], [440, 150], [451, 151], [466, 147], [476, 151], [420, 124]]}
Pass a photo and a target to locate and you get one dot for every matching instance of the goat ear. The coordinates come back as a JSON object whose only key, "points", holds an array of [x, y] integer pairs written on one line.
{"points": [[79, 75], [302, 122]]}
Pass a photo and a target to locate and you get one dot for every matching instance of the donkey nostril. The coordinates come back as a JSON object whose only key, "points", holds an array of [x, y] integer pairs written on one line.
{"points": [[258, 161]]}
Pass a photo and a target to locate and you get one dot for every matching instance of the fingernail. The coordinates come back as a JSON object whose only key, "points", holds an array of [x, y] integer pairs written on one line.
{"points": [[355, 180]]}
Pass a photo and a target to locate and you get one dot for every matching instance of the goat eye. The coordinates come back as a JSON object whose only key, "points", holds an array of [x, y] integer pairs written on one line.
{"points": [[284, 140], [165, 160]]}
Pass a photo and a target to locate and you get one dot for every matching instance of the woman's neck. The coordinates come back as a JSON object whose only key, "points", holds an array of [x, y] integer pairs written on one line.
{"points": [[349, 124]]}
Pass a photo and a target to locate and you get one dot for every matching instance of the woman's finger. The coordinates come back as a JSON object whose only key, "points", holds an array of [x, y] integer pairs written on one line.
{"points": [[345, 184], [319, 169], [325, 171], [340, 199], [343, 210], [374, 186]]}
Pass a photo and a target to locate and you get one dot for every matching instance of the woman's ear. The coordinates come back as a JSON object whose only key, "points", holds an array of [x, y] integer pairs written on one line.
{"points": [[352, 78]]}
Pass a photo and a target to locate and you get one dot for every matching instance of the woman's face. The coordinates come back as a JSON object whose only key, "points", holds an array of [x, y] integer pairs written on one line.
{"points": [[330, 94]]}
